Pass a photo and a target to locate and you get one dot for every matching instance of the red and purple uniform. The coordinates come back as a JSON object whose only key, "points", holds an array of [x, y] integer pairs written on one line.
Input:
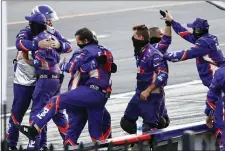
{"points": [[96, 86], [152, 69], [206, 50], [208, 56], [24, 83], [46, 63], [163, 46], [79, 117], [215, 104]]}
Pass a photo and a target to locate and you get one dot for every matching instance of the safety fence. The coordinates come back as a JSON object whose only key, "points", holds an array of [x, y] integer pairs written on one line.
{"points": [[146, 142]]}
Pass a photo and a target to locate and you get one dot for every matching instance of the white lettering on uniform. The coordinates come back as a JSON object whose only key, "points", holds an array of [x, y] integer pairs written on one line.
{"points": [[43, 113], [160, 78], [54, 76], [31, 143], [43, 76], [94, 87], [25, 129]]}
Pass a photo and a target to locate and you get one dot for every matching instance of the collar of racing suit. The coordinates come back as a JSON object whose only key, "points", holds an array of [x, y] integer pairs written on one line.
{"points": [[144, 48]]}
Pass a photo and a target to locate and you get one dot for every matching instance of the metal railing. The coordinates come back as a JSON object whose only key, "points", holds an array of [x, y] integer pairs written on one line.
{"points": [[188, 144], [138, 144]]}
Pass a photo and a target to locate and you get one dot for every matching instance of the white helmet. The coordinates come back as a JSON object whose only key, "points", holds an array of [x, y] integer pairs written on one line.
{"points": [[46, 10]]}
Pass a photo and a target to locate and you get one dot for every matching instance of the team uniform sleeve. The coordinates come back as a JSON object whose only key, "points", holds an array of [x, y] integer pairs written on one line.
{"points": [[160, 69], [213, 94], [200, 49], [183, 32], [89, 66], [77, 61], [65, 45], [164, 44], [23, 43], [39, 60]]}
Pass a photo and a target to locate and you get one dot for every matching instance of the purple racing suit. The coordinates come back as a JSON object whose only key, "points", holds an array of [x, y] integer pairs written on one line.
{"points": [[46, 63], [163, 46], [215, 104], [24, 43], [79, 117], [24, 83], [206, 51], [152, 69], [96, 87]]}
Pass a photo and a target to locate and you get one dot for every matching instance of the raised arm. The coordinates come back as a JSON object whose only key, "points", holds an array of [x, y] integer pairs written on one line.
{"points": [[180, 30], [183, 32], [164, 44]]}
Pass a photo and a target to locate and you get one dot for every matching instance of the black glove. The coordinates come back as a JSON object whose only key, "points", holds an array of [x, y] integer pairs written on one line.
{"points": [[113, 68], [61, 78], [14, 61], [164, 15], [101, 59]]}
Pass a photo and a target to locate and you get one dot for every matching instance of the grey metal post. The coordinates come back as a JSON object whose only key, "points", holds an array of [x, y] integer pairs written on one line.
{"points": [[5, 118], [188, 141], [51, 147], [81, 146], [110, 147], [170, 144]]}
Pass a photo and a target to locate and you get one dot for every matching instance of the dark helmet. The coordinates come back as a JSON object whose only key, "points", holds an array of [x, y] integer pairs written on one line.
{"points": [[200, 27]]}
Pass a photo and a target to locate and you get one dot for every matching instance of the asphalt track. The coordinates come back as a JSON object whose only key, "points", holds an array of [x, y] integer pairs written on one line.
{"points": [[113, 25]]}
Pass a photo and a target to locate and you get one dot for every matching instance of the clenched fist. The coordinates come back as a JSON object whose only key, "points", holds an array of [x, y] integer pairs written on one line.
{"points": [[144, 94], [209, 121]]}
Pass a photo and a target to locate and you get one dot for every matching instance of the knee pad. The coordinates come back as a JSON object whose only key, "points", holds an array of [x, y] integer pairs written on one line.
{"points": [[128, 126], [163, 122], [167, 121]]}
